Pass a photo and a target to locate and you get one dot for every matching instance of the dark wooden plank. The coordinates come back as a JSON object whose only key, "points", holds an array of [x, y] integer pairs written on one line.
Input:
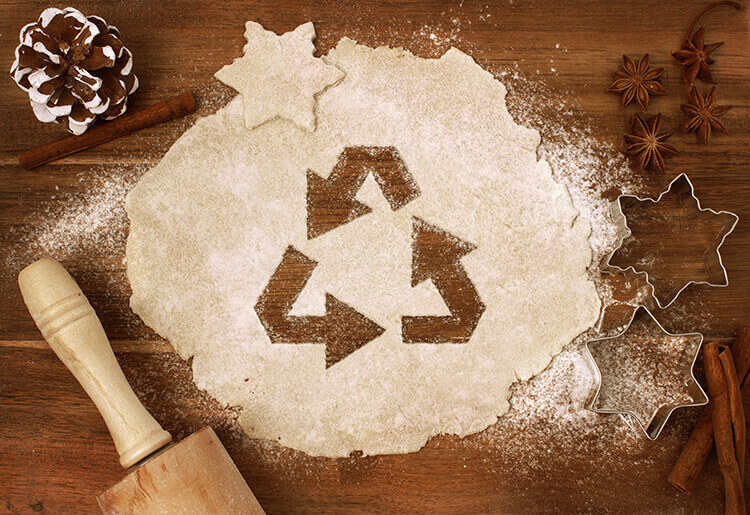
{"points": [[55, 453]]}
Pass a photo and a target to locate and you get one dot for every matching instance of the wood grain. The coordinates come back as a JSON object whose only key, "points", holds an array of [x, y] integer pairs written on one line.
{"points": [[196, 475], [55, 452]]}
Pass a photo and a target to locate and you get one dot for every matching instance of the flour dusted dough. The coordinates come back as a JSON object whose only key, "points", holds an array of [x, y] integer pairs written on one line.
{"points": [[279, 76], [210, 224]]}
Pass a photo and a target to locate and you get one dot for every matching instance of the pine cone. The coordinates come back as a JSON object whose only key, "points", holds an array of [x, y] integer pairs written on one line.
{"points": [[74, 69]]}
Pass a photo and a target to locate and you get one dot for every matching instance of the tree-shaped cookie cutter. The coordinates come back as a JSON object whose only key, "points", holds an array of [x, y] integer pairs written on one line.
{"points": [[652, 429], [712, 257]]}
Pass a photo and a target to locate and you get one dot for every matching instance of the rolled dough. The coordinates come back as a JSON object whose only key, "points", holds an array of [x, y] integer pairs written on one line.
{"points": [[210, 224], [279, 76]]}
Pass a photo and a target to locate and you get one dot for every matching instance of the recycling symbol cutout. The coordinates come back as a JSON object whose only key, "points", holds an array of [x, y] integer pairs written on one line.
{"points": [[436, 256]]}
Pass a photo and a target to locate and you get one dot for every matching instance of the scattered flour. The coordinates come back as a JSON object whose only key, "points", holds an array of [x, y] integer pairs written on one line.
{"points": [[84, 226], [549, 411], [641, 374], [589, 167]]}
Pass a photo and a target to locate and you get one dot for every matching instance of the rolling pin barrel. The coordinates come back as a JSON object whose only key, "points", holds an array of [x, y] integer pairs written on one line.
{"points": [[70, 326]]}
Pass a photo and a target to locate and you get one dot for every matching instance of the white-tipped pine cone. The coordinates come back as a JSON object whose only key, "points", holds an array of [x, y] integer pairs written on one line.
{"points": [[74, 69]]}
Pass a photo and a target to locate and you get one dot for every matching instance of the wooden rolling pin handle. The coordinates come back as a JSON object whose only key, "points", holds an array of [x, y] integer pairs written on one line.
{"points": [[70, 326]]}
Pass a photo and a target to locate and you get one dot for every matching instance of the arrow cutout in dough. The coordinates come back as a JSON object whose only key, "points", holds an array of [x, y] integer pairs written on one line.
{"points": [[331, 202], [436, 256], [342, 329]]}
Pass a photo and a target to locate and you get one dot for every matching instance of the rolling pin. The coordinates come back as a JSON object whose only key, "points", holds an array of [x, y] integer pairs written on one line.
{"points": [[194, 476]]}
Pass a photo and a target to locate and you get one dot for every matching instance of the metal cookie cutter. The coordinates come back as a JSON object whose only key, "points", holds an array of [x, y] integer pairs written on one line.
{"points": [[653, 426], [681, 185]]}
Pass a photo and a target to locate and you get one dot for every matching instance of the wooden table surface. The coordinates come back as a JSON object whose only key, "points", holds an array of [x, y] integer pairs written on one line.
{"points": [[55, 452]]}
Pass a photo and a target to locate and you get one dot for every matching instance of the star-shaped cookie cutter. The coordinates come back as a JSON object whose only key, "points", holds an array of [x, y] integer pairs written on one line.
{"points": [[712, 257], [652, 429]]}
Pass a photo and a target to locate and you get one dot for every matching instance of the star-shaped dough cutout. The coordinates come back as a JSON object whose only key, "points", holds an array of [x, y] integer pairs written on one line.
{"points": [[646, 372], [673, 240], [278, 76]]}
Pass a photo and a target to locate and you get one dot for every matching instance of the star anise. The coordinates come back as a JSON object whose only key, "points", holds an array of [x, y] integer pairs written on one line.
{"points": [[694, 54], [637, 82], [646, 145], [703, 114]]}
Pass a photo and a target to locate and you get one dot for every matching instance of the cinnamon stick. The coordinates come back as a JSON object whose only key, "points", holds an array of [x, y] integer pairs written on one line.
{"points": [[688, 467], [128, 123], [741, 355], [690, 463], [723, 433], [736, 411]]}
